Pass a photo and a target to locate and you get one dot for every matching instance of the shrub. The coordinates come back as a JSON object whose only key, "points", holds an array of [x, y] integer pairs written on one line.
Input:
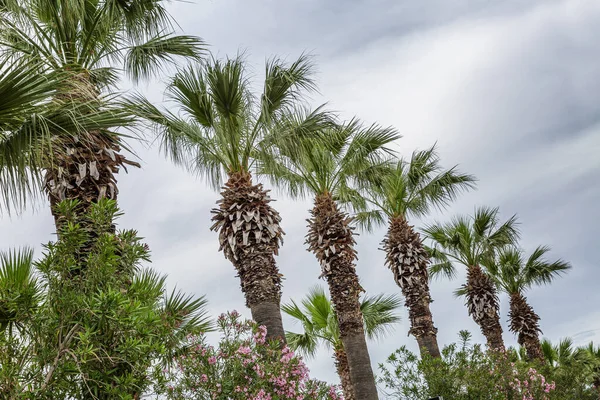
{"points": [[244, 365], [465, 372]]}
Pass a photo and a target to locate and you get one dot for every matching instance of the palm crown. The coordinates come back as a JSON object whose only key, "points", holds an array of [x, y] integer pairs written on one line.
{"points": [[87, 44], [343, 159], [28, 118], [88, 35], [319, 321], [469, 240], [412, 188], [223, 125], [513, 273]]}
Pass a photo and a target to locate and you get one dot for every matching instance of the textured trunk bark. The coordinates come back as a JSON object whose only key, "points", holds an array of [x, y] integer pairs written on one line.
{"points": [[82, 166], [331, 239], [482, 303], [250, 236], [525, 323], [408, 260], [343, 370]]}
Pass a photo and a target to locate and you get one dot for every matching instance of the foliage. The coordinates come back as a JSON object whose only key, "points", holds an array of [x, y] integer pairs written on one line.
{"points": [[469, 240], [243, 366], [319, 321], [94, 36], [412, 188], [513, 273], [343, 159], [466, 372], [223, 126], [61, 54], [101, 321]]}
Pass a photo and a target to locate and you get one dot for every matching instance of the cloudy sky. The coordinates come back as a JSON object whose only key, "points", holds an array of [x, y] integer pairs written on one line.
{"points": [[508, 89]]}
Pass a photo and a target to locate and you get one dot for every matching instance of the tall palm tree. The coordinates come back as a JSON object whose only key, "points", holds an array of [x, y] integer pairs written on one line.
{"points": [[411, 189], [469, 241], [332, 169], [20, 291], [514, 274], [222, 129], [319, 323], [92, 42]]}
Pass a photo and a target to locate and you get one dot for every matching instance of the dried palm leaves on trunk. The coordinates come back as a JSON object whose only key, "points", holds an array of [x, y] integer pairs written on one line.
{"points": [[331, 239], [408, 260], [525, 323], [82, 166], [343, 370], [482, 304], [250, 236]]}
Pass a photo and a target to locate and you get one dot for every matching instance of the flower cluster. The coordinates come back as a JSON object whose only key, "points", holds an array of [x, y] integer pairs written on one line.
{"points": [[533, 386], [245, 365]]}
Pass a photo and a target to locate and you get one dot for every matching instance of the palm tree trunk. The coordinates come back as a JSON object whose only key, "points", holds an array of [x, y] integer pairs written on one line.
{"points": [[482, 303], [408, 260], [331, 239], [250, 236], [343, 370], [82, 166], [525, 323]]}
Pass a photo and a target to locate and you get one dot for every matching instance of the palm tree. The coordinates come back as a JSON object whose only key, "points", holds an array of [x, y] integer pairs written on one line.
{"points": [[412, 188], [83, 40], [591, 358], [319, 324], [223, 128], [332, 169], [20, 292], [514, 274], [469, 241]]}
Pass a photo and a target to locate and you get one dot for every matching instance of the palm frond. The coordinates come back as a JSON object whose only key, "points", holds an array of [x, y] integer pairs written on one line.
{"points": [[380, 313], [303, 343], [284, 86], [144, 60], [20, 292], [369, 220], [189, 314], [441, 266]]}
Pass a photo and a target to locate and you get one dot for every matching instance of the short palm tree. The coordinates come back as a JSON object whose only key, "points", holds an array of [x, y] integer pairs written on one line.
{"points": [[560, 354], [222, 130], [319, 323], [20, 291], [590, 355], [411, 189], [514, 274], [469, 241], [331, 169], [91, 42]]}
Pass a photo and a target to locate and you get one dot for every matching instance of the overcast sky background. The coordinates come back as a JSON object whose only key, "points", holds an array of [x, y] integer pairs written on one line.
{"points": [[508, 89]]}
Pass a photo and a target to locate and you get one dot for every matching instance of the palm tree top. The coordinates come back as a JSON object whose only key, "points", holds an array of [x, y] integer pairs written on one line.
{"points": [[412, 188], [319, 322], [469, 240], [341, 160], [222, 125], [91, 35], [514, 273], [30, 116]]}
